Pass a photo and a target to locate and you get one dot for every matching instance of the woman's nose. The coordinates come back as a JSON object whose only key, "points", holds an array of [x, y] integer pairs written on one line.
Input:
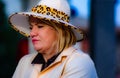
{"points": [[33, 32]]}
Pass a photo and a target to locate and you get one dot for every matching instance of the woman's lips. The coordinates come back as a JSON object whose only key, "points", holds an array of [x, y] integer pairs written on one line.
{"points": [[34, 40]]}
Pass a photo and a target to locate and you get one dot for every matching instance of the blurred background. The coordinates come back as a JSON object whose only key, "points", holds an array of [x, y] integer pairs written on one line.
{"points": [[99, 19]]}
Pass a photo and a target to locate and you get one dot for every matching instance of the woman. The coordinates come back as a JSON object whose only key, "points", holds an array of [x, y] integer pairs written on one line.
{"points": [[54, 39]]}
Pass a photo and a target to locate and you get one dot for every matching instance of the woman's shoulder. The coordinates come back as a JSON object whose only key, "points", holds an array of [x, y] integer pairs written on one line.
{"points": [[80, 60], [28, 57], [31, 55], [75, 53], [78, 57], [82, 63], [80, 53]]}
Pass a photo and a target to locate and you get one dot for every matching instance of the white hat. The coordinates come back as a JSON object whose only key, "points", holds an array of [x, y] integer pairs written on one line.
{"points": [[52, 10]]}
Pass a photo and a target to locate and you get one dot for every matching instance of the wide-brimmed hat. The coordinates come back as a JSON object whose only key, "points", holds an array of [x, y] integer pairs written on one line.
{"points": [[57, 11]]}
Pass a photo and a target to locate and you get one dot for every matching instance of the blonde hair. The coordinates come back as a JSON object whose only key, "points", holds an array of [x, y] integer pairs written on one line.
{"points": [[66, 37]]}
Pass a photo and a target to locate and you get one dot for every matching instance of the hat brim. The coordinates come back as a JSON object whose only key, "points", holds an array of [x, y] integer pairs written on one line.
{"points": [[19, 21]]}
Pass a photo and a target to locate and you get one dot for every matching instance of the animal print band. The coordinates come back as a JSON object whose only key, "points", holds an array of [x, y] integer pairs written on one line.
{"points": [[43, 9]]}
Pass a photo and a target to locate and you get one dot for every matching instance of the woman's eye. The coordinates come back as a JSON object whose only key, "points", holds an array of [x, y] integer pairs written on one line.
{"points": [[40, 26], [30, 28]]}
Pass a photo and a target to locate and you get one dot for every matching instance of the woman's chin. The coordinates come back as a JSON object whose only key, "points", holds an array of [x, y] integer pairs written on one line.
{"points": [[37, 48]]}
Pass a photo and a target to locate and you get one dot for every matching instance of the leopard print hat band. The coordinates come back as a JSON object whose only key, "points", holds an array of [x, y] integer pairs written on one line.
{"points": [[55, 10]]}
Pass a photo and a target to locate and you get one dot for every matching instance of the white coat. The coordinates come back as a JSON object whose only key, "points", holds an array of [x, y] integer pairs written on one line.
{"points": [[71, 63]]}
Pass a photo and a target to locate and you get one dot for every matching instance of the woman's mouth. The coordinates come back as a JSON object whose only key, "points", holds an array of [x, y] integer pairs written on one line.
{"points": [[34, 40]]}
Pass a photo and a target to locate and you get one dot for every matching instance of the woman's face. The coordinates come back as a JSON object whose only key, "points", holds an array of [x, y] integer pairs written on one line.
{"points": [[44, 37]]}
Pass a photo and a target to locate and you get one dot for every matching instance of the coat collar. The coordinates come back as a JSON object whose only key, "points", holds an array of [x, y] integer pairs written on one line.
{"points": [[40, 60], [58, 58], [65, 53]]}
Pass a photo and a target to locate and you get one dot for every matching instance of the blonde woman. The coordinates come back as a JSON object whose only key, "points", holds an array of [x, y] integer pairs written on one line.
{"points": [[54, 39]]}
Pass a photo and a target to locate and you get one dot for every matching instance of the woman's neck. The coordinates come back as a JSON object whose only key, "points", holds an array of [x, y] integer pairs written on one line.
{"points": [[49, 55]]}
